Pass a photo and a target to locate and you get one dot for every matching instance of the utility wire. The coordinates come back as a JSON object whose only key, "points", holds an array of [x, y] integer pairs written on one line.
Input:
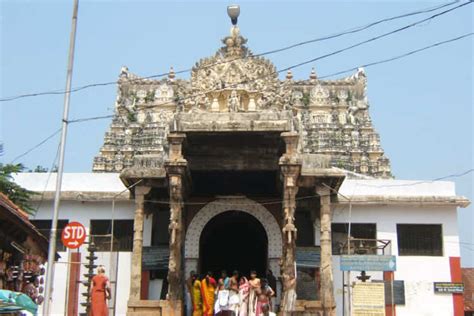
{"points": [[281, 201], [350, 31], [86, 119], [326, 76], [376, 37], [298, 65], [276, 72], [359, 28], [301, 198], [416, 182], [397, 57], [36, 146], [50, 172]]}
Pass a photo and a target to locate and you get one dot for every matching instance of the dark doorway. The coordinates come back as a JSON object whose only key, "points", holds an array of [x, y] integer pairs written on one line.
{"points": [[233, 240]]}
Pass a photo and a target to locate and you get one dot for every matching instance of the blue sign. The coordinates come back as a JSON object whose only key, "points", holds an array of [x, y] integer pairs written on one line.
{"points": [[368, 263]]}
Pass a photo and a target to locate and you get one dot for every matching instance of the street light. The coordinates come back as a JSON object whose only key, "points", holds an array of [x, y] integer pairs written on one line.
{"points": [[233, 11]]}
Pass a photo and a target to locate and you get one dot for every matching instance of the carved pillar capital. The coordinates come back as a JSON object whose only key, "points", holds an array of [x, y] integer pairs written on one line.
{"points": [[291, 153], [323, 191], [291, 142], [140, 192], [176, 141]]}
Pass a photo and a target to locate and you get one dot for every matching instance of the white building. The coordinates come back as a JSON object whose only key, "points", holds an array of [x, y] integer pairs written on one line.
{"points": [[394, 210]]}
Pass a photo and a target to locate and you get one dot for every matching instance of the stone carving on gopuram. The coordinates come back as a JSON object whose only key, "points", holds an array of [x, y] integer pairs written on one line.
{"points": [[236, 90]]}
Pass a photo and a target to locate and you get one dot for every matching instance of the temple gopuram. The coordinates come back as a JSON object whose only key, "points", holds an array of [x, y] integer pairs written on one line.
{"points": [[235, 150]]}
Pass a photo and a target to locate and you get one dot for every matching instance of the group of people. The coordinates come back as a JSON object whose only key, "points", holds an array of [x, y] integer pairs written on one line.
{"points": [[231, 296]]}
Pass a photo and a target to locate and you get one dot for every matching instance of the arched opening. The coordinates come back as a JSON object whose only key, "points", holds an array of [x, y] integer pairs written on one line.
{"points": [[233, 240]]}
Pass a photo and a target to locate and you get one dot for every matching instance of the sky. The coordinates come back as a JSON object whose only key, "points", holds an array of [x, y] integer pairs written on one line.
{"points": [[421, 105]]}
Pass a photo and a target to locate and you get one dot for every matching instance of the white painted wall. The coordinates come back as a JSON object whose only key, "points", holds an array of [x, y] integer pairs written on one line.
{"points": [[83, 212], [419, 272]]}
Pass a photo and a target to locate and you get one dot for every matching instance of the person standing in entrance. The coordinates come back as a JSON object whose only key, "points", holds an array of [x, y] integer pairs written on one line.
{"points": [[100, 293], [197, 297], [234, 299], [264, 298], [255, 287], [189, 294], [208, 288], [244, 288], [224, 279], [272, 282]]}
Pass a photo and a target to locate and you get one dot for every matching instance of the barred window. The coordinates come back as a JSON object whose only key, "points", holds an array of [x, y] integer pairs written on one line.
{"points": [[44, 226], [366, 232], [123, 234], [419, 240]]}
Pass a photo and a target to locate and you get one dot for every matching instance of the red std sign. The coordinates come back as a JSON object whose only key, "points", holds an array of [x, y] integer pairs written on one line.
{"points": [[73, 235]]}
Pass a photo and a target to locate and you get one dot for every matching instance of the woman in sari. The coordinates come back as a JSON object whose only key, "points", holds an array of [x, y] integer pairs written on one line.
{"points": [[208, 288], [234, 299], [197, 297], [244, 288]]}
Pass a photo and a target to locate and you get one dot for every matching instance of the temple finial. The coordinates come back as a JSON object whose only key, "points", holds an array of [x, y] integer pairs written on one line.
{"points": [[313, 76], [233, 11], [171, 74]]}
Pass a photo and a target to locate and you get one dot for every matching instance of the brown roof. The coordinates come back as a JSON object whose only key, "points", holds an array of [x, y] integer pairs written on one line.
{"points": [[468, 280], [16, 223]]}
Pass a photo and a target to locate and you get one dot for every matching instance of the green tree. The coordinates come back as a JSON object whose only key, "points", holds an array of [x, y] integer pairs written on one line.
{"points": [[17, 194]]}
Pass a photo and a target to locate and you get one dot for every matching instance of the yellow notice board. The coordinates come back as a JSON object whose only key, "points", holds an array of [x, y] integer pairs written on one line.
{"points": [[368, 299]]}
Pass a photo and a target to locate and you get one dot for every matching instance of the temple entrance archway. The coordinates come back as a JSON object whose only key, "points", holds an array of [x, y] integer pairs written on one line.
{"points": [[260, 219], [233, 240]]}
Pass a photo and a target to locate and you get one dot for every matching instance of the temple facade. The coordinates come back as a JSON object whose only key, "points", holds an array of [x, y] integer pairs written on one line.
{"points": [[238, 169], [235, 129]]}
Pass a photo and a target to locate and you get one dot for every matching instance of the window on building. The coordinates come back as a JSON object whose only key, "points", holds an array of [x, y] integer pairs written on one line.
{"points": [[44, 226], [123, 234], [364, 234], [419, 240]]}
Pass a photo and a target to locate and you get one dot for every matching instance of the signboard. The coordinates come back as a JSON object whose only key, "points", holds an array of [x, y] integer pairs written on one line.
{"points": [[155, 258], [398, 292], [73, 235], [368, 299], [448, 287], [368, 263]]}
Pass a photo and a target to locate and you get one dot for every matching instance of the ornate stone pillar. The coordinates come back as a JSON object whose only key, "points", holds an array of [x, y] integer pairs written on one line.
{"points": [[290, 166], [136, 273], [327, 286], [176, 169]]}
